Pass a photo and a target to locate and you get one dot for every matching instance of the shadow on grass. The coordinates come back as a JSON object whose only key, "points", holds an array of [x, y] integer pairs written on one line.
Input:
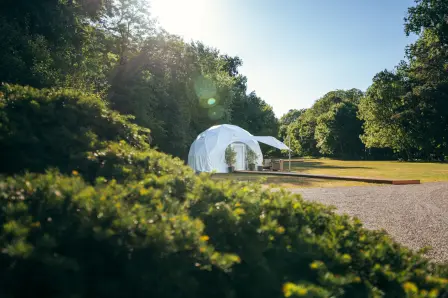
{"points": [[266, 179], [305, 165]]}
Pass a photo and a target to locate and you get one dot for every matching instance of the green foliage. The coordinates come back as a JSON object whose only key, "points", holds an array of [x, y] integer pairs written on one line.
{"points": [[112, 48], [286, 120], [428, 14], [301, 134], [330, 127], [179, 90], [377, 109], [255, 115], [187, 236], [337, 132], [52, 43], [176, 89], [251, 156], [406, 110], [133, 222], [230, 156], [61, 128]]}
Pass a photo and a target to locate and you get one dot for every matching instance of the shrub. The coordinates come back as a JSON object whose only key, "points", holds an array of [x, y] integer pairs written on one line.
{"points": [[177, 235], [122, 162], [230, 156], [58, 128], [251, 156]]}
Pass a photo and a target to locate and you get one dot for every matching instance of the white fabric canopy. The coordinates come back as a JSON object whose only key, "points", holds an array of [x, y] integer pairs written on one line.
{"points": [[271, 141], [207, 153]]}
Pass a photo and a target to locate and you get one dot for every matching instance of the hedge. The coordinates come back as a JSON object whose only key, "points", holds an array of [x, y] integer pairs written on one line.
{"points": [[58, 128], [188, 236]]}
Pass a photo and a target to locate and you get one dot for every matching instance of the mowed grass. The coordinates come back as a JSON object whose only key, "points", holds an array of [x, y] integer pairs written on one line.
{"points": [[425, 172], [285, 182]]}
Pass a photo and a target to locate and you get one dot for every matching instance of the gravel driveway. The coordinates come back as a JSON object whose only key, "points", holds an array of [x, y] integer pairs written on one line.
{"points": [[414, 215]]}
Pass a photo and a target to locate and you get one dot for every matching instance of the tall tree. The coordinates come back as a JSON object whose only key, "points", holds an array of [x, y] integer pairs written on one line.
{"points": [[428, 14], [288, 118], [255, 115], [129, 23], [176, 89], [379, 110], [51, 43], [329, 127], [337, 132], [406, 110]]}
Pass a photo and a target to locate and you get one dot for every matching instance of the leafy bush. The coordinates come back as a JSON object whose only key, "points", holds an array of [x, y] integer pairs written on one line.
{"points": [[122, 162], [58, 128], [177, 235], [230, 156], [251, 156]]}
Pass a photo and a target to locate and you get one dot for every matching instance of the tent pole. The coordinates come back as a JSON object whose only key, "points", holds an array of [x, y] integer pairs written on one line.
{"points": [[289, 138]]}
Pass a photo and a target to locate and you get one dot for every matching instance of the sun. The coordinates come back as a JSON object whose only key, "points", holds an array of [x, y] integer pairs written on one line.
{"points": [[187, 18]]}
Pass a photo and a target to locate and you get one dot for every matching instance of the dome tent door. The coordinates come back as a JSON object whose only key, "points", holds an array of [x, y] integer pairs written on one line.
{"points": [[240, 150]]}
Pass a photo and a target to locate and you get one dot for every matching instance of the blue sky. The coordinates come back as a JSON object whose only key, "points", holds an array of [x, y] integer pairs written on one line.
{"points": [[295, 51]]}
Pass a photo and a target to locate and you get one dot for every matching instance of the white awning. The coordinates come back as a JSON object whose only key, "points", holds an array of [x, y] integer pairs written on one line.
{"points": [[271, 141]]}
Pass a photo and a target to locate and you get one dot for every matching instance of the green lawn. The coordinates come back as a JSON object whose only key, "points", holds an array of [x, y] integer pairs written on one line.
{"points": [[285, 182], [426, 172]]}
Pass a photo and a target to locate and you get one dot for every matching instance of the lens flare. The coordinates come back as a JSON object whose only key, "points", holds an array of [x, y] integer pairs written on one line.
{"points": [[216, 112], [204, 87], [211, 101]]}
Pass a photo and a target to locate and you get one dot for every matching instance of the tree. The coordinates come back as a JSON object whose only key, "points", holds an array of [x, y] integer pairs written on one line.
{"points": [[329, 127], [129, 23], [255, 115], [337, 132], [428, 59], [53, 43], [379, 110], [301, 133], [403, 113], [176, 89], [288, 118], [428, 14], [406, 110]]}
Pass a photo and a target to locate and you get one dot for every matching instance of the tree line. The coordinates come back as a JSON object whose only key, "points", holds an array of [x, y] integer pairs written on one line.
{"points": [[115, 49], [403, 114], [178, 89]]}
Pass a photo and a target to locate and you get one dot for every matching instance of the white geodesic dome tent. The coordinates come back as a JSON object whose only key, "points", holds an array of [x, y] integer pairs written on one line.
{"points": [[207, 153]]}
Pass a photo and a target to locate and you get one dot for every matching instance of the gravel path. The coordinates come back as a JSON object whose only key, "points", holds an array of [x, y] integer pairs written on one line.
{"points": [[414, 215]]}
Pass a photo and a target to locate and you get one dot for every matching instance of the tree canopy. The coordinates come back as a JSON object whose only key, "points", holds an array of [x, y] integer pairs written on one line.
{"points": [[179, 89], [404, 112], [406, 109], [330, 127], [175, 88]]}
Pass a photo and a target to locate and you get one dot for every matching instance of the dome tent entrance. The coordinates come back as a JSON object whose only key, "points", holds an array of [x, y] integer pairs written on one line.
{"points": [[207, 153]]}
